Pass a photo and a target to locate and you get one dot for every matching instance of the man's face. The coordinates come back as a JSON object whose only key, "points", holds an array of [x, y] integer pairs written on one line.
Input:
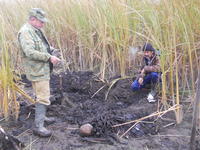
{"points": [[148, 54], [36, 23]]}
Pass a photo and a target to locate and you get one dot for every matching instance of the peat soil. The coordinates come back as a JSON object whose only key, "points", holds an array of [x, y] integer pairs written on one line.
{"points": [[81, 97]]}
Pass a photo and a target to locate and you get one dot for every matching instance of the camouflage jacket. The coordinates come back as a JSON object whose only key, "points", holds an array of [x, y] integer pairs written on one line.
{"points": [[150, 65], [35, 53]]}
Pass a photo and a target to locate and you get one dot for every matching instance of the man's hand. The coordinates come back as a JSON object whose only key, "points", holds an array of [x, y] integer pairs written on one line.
{"points": [[140, 80], [54, 60], [142, 72], [56, 53]]}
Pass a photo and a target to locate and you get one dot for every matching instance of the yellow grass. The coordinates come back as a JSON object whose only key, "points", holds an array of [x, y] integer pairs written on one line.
{"points": [[96, 35]]}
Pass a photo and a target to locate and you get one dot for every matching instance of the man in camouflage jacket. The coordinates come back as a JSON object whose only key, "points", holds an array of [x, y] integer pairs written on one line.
{"points": [[37, 61], [150, 72]]}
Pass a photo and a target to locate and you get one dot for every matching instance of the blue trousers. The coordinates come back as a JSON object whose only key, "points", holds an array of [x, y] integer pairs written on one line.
{"points": [[151, 78]]}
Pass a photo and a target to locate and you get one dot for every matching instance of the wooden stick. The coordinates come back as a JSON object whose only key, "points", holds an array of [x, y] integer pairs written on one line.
{"points": [[170, 124], [8, 141], [128, 130], [151, 115], [30, 144], [139, 120], [195, 115], [25, 132], [98, 91]]}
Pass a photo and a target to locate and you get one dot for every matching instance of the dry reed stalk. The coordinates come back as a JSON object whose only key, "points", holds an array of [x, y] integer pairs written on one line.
{"points": [[98, 91], [149, 116], [112, 84], [139, 120], [24, 94]]}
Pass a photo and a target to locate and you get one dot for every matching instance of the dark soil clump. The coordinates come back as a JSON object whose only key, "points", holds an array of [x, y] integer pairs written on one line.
{"points": [[81, 97], [101, 113]]}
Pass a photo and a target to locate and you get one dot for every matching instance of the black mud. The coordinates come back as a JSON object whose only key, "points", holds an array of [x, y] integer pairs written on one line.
{"points": [[81, 97]]}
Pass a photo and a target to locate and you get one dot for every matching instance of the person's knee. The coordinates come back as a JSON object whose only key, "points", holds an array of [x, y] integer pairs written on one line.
{"points": [[154, 76], [135, 86]]}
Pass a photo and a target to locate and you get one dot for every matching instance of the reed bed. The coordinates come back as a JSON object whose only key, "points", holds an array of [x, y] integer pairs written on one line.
{"points": [[96, 35]]}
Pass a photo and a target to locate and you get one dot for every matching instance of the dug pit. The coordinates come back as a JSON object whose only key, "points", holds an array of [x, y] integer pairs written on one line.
{"points": [[81, 97]]}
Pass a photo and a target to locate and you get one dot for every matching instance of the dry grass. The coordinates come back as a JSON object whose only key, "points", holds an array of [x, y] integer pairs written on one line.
{"points": [[96, 35]]}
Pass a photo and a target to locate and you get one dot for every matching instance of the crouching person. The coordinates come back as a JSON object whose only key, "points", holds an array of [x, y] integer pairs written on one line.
{"points": [[38, 61], [149, 73]]}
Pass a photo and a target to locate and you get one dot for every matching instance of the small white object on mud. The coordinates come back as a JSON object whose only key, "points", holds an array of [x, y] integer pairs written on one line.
{"points": [[86, 129]]}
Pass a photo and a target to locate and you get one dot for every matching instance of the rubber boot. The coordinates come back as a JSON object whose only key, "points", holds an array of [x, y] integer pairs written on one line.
{"points": [[49, 120], [39, 129]]}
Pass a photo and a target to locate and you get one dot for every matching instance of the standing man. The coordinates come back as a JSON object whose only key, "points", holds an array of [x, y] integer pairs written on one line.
{"points": [[38, 62], [149, 73]]}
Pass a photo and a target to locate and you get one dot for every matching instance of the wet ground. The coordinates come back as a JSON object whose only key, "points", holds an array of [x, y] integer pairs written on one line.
{"points": [[81, 97]]}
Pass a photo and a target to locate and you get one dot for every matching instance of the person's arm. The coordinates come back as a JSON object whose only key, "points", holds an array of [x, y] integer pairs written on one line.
{"points": [[28, 47], [141, 77], [153, 68], [142, 71], [55, 52]]}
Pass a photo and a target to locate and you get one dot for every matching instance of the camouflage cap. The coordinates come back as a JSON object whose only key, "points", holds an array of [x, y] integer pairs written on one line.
{"points": [[38, 13]]}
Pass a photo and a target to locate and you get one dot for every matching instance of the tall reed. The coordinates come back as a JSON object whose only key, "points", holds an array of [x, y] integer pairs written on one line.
{"points": [[96, 35], [8, 101]]}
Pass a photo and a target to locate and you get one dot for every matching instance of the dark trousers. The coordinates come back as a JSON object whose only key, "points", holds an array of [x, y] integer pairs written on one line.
{"points": [[151, 78]]}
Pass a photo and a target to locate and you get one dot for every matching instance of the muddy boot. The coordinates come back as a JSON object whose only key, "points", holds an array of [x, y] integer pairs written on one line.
{"points": [[39, 129], [49, 120]]}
